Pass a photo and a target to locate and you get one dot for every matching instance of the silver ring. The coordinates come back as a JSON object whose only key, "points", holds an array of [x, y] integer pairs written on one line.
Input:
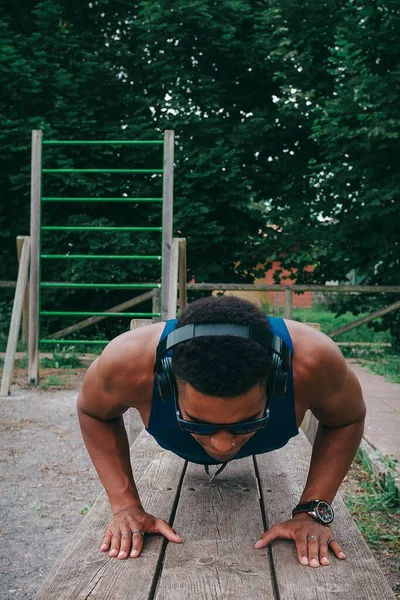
{"points": [[138, 531], [126, 533], [313, 537], [331, 540]]}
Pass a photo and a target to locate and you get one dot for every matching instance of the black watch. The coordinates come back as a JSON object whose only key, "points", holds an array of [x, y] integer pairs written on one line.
{"points": [[319, 510]]}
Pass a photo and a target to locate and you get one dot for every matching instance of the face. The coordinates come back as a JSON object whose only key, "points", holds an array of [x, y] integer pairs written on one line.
{"points": [[195, 406]]}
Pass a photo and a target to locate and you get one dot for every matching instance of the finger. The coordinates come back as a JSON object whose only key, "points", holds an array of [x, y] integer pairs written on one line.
{"points": [[313, 547], [126, 542], [323, 554], [165, 529], [337, 549], [115, 544], [302, 550], [137, 544], [106, 541], [272, 534]]}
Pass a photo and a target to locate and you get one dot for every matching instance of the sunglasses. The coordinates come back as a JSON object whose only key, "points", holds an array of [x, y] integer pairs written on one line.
{"points": [[203, 428]]}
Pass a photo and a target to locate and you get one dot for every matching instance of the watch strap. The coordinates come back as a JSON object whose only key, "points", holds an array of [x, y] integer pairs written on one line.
{"points": [[304, 507]]}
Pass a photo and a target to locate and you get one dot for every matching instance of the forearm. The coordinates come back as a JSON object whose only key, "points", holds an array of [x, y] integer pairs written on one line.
{"points": [[333, 451], [108, 447]]}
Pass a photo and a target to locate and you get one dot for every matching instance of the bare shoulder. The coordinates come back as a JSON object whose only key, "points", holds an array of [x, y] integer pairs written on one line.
{"points": [[122, 376], [323, 380], [316, 353]]}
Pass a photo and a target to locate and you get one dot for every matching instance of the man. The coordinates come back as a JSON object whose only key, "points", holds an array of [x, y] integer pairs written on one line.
{"points": [[221, 383]]}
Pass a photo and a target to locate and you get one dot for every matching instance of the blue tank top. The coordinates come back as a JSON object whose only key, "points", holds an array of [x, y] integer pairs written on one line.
{"points": [[280, 428]]}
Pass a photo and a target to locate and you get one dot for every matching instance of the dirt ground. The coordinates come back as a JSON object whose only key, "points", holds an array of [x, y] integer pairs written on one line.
{"points": [[48, 482]]}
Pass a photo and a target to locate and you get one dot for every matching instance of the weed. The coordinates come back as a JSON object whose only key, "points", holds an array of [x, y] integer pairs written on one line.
{"points": [[376, 505], [85, 509], [64, 357], [51, 381]]}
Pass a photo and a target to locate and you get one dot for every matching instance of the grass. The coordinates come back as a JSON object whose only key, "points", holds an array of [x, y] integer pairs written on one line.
{"points": [[50, 382], [328, 321], [375, 506], [387, 366], [380, 359]]}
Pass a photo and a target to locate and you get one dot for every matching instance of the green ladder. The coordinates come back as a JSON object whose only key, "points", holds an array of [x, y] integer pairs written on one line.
{"points": [[38, 203]]}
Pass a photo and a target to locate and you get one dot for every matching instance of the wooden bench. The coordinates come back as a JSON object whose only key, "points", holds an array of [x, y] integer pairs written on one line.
{"points": [[220, 523]]}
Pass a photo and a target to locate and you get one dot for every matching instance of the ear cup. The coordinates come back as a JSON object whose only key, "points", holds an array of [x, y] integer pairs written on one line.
{"points": [[166, 380], [278, 378]]}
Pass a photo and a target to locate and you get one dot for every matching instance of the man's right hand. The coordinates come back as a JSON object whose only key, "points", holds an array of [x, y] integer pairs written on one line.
{"points": [[120, 539]]}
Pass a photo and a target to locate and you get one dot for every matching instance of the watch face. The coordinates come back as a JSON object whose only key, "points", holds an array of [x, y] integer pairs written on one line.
{"points": [[324, 512]]}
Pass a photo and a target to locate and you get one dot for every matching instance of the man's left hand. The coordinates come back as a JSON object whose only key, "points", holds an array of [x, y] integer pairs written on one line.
{"points": [[311, 539]]}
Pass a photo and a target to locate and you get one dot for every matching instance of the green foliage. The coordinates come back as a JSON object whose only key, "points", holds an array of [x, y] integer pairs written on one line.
{"points": [[284, 113], [64, 357], [50, 382], [375, 506], [329, 320], [388, 366]]}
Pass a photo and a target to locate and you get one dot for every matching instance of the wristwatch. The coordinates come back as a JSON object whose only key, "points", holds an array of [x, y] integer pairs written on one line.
{"points": [[319, 510]]}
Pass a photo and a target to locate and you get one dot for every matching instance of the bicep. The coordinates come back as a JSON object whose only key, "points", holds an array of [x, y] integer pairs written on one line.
{"points": [[344, 404]]}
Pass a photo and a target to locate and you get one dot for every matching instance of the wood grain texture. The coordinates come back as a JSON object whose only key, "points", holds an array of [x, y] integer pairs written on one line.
{"points": [[173, 280], [182, 275], [282, 477], [15, 323], [36, 193], [83, 572], [25, 312], [167, 222], [220, 522]]}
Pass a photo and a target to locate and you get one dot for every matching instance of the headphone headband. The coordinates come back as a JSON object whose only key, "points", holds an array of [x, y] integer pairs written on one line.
{"points": [[195, 330]]}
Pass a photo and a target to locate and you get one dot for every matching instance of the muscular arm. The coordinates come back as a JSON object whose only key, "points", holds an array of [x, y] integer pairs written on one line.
{"points": [[341, 416], [337, 403], [110, 383], [103, 431]]}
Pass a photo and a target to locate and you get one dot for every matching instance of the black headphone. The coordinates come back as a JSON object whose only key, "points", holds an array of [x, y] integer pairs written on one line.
{"points": [[281, 359]]}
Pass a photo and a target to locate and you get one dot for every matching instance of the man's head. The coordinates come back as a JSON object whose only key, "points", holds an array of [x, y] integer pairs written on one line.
{"points": [[223, 366], [222, 379]]}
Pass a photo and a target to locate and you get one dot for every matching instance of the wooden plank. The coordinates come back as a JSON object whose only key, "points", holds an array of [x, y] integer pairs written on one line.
{"points": [[182, 274], [220, 522], [93, 320], [135, 323], [282, 478], [36, 176], [25, 310], [156, 303], [266, 287], [15, 323], [309, 426], [374, 315], [133, 421], [167, 221], [173, 280], [288, 304], [83, 572]]}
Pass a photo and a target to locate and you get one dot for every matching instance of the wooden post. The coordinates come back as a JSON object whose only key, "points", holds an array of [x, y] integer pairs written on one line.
{"points": [[173, 280], [168, 195], [182, 275], [33, 347], [15, 318], [156, 303], [25, 311], [288, 304]]}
